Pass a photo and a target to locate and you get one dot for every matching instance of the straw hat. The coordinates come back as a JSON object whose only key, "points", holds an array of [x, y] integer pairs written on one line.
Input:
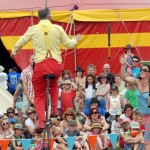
{"points": [[102, 75], [1, 68], [97, 125]]}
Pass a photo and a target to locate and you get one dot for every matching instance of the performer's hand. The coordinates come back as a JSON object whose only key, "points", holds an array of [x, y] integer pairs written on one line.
{"points": [[78, 37]]}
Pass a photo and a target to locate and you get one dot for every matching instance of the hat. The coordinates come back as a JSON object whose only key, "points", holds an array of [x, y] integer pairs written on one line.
{"points": [[94, 100], [128, 46], [135, 125], [79, 69], [72, 122], [18, 126], [126, 120], [1, 68], [114, 87], [1, 114], [102, 75], [97, 125], [12, 120]]}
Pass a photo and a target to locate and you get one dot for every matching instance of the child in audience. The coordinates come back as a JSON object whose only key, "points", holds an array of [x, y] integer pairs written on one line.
{"points": [[133, 141], [16, 143], [115, 126], [81, 136], [66, 75], [128, 56], [68, 94], [124, 130], [135, 115], [114, 103], [97, 130], [140, 121]]}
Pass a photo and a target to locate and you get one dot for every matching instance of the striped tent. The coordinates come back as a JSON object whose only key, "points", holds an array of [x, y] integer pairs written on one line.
{"points": [[129, 23]]}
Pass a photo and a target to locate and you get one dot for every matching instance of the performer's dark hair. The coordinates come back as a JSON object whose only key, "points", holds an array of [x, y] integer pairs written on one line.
{"points": [[43, 13]]}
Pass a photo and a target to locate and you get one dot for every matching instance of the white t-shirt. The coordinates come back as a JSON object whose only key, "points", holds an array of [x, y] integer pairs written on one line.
{"points": [[115, 127], [90, 92], [115, 105], [30, 123], [3, 80]]}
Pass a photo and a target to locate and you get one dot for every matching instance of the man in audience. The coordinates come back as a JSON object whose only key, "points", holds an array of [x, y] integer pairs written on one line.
{"points": [[106, 69], [26, 76], [13, 78], [119, 83], [135, 69]]}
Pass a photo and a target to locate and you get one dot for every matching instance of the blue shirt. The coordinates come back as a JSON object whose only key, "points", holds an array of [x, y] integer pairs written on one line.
{"points": [[86, 110], [143, 102], [13, 78], [136, 72]]}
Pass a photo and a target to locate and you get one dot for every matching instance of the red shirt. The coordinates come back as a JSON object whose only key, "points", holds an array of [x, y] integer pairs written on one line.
{"points": [[67, 99], [142, 127]]}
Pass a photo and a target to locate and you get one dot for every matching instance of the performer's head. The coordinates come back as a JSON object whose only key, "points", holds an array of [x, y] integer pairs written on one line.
{"points": [[44, 13]]}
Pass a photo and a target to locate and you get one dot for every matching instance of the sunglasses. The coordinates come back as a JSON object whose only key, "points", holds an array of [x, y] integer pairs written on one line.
{"points": [[144, 70], [11, 112], [5, 123], [134, 61], [94, 113], [69, 114], [31, 112]]}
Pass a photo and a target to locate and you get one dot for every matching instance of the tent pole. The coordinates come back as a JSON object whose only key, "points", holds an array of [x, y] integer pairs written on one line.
{"points": [[75, 54], [46, 1]]}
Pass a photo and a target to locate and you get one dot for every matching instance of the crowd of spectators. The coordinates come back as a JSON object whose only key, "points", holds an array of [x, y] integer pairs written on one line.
{"points": [[87, 105]]}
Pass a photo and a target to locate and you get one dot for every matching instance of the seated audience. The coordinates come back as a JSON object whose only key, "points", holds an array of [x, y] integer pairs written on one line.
{"points": [[5, 131], [11, 115], [97, 130], [30, 122], [81, 137], [16, 143], [69, 115], [96, 117]]}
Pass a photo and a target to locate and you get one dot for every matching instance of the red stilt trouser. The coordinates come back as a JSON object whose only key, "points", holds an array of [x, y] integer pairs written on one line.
{"points": [[47, 66]]}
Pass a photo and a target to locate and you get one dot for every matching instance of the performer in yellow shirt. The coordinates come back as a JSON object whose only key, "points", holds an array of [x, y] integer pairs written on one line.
{"points": [[46, 38]]}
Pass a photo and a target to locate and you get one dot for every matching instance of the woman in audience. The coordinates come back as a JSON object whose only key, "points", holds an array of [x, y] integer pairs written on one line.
{"points": [[11, 115], [5, 131], [96, 117], [91, 69], [128, 110], [31, 122], [90, 86], [80, 94], [69, 115], [103, 89]]}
